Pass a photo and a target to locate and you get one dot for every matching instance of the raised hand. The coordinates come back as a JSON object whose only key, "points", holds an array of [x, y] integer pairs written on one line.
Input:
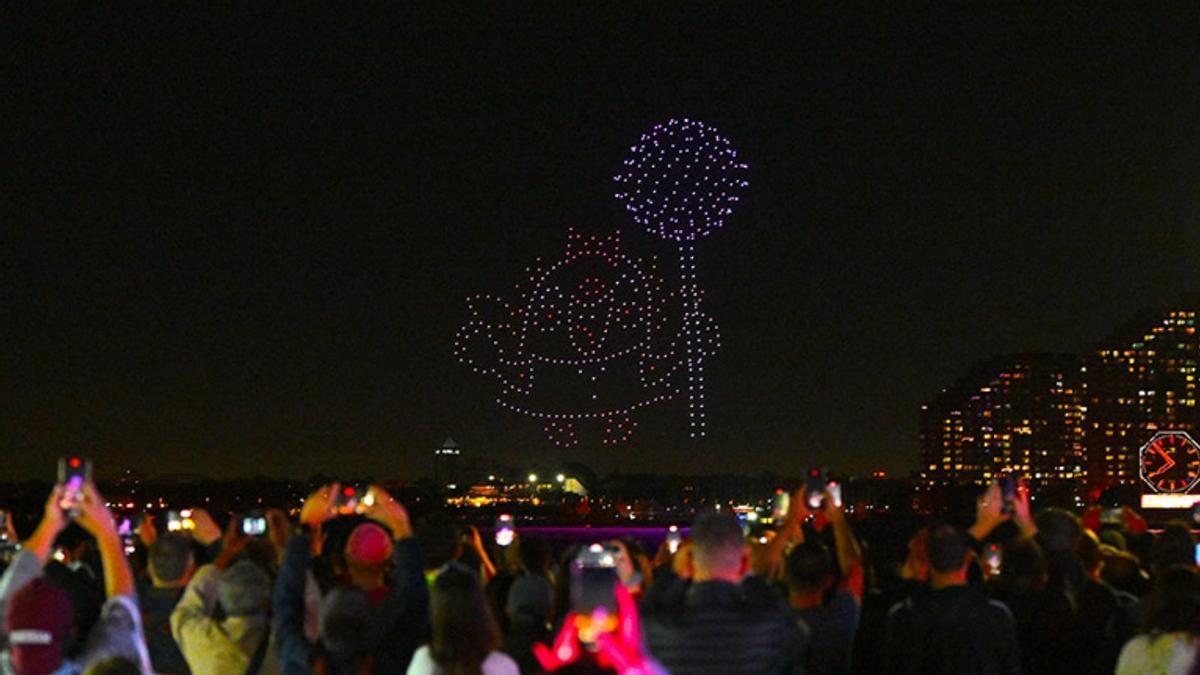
{"points": [[797, 513], [567, 648], [147, 531], [1022, 512], [94, 516], [10, 531], [387, 510], [989, 511], [622, 649], [232, 544], [53, 521], [279, 530], [53, 517], [206, 532], [319, 507]]}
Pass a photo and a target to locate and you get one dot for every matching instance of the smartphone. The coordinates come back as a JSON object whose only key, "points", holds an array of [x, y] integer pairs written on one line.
{"points": [[73, 472], [180, 521], [674, 538], [814, 486], [594, 586], [993, 556], [1196, 555], [352, 499], [780, 505], [504, 530], [1008, 490], [834, 489], [1112, 517], [128, 534], [254, 524]]}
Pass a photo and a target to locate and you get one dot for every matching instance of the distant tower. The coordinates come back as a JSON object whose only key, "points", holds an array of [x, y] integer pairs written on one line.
{"points": [[447, 464]]}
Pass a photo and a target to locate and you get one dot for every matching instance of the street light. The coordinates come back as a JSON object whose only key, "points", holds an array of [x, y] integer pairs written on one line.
{"points": [[560, 478], [533, 478]]}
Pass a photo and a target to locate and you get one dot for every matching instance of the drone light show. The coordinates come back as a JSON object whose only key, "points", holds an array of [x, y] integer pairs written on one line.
{"points": [[598, 336]]}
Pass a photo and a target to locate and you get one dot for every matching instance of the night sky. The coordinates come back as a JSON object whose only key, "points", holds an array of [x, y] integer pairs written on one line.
{"points": [[240, 244]]}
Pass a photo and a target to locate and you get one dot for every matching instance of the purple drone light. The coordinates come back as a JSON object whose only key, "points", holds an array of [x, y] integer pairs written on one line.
{"points": [[680, 182]]}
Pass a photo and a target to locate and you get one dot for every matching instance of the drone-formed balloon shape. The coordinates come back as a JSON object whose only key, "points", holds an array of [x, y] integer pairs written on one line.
{"points": [[680, 183]]}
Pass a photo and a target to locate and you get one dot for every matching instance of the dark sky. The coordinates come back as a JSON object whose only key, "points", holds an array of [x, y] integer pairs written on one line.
{"points": [[241, 243]]}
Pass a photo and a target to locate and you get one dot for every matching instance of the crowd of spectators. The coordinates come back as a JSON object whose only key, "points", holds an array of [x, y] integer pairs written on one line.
{"points": [[363, 590]]}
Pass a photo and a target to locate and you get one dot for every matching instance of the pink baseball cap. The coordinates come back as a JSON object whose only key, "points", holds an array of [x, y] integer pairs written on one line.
{"points": [[369, 544]]}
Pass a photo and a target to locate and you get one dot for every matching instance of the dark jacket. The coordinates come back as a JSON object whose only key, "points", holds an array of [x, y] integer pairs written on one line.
{"points": [[401, 619], [721, 628], [156, 605], [952, 631], [1072, 609]]}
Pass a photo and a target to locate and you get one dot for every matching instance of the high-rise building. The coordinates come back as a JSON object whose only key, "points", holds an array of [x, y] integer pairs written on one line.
{"points": [[1020, 413], [1140, 380], [447, 465]]}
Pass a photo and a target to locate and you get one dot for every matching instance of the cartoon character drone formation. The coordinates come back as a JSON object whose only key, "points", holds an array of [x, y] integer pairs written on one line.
{"points": [[598, 316]]}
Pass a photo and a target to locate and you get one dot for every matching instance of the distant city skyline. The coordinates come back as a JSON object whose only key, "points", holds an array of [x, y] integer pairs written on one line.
{"points": [[1069, 417]]}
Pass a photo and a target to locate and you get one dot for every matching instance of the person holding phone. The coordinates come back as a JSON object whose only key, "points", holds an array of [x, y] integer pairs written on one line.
{"points": [[953, 627], [238, 639], [170, 565], [358, 629], [619, 650], [722, 621], [38, 613], [810, 573]]}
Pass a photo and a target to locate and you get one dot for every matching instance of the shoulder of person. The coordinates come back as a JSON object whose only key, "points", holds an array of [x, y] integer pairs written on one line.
{"points": [[759, 590], [499, 663], [422, 662], [664, 596]]}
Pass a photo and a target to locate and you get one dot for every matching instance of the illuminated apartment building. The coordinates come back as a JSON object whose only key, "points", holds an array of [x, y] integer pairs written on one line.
{"points": [[1021, 413], [1140, 380]]}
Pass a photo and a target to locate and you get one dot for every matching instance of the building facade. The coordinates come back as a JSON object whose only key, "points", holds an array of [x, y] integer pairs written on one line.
{"points": [[1022, 413], [1063, 418], [1140, 380]]}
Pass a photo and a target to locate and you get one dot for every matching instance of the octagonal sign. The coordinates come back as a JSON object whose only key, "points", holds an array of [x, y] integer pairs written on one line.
{"points": [[1170, 462]]}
